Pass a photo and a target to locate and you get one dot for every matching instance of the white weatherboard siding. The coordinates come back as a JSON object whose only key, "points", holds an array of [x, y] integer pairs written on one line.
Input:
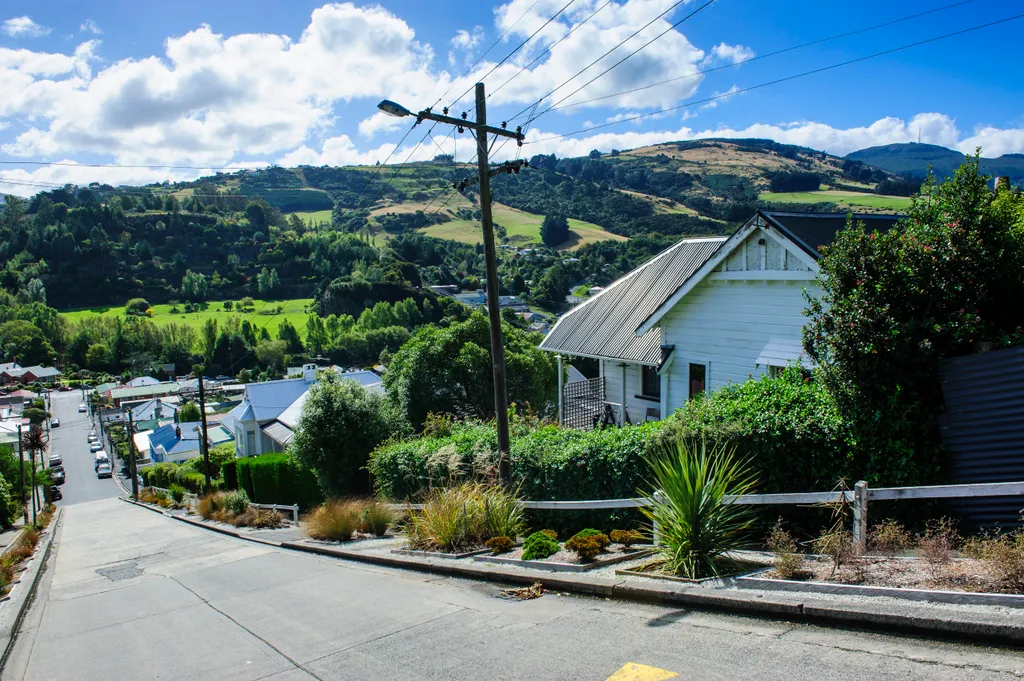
{"points": [[725, 324], [636, 406]]}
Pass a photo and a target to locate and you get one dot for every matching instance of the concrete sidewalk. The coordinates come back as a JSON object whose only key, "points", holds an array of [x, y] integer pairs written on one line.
{"points": [[129, 593]]}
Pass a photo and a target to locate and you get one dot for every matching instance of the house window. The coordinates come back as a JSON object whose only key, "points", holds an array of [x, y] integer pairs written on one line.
{"points": [[774, 371], [697, 377], [650, 383], [250, 443]]}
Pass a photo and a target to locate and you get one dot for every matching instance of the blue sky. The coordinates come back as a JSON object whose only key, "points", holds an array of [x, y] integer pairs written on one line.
{"points": [[210, 84]]}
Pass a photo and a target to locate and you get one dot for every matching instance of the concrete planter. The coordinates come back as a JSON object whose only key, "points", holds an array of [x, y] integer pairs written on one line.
{"points": [[753, 581], [438, 554], [564, 567]]}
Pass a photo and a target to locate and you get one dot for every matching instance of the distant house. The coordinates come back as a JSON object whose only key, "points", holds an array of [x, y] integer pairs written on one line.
{"points": [[11, 372], [445, 289], [148, 415], [142, 392], [18, 397], [266, 419], [702, 314], [140, 381], [478, 298], [177, 442]]}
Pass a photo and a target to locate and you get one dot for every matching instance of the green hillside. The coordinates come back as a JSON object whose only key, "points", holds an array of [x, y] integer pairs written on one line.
{"points": [[915, 160]]}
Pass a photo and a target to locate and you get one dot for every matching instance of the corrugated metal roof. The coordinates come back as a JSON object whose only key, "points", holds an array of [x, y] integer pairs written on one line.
{"points": [[780, 352], [811, 231], [278, 432], [605, 326]]}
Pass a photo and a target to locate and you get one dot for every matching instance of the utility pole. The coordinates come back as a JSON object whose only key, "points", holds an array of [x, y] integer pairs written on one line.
{"points": [[204, 443], [482, 131], [21, 466], [132, 464], [32, 454]]}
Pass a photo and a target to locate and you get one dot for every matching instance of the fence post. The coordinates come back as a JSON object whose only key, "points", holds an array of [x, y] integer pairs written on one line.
{"points": [[295, 513], [860, 517], [655, 528]]}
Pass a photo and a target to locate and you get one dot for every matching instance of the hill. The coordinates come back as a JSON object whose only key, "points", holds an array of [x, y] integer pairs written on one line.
{"points": [[914, 160]]}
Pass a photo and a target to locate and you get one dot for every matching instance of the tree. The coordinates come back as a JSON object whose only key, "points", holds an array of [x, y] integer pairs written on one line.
{"points": [[271, 353], [267, 281], [35, 292], [290, 335], [193, 286], [137, 306], [189, 413], [14, 211], [24, 342], [449, 371], [341, 423], [97, 357], [894, 305], [554, 231]]}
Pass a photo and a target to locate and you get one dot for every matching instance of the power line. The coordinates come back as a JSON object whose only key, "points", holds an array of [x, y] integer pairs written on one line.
{"points": [[620, 44], [510, 54], [778, 80], [628, 56], [486, 52], [548, 49], [758, 57]]}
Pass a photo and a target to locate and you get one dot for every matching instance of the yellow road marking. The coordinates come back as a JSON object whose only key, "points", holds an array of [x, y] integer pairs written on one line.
{"points": [[631, 671]]}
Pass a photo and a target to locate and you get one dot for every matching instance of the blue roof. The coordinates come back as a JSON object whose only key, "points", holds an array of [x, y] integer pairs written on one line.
{"points": [[147, 410], [243, 412], [267, 400]]}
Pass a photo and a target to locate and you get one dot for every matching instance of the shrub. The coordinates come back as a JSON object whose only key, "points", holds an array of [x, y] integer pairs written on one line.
{"points": [[837, 544], [937, 543], [787, 561], [207, 506], [585, 546], [889, 538], [235, 502], [1003, 555], [10, 508], [177, 493], [499, 545], [376, 518], [539, 546], [273, 479], [550, 533], [334, 520], [626, 537], [698, 527], [259, 518], [600, 537], [136, 306], [503, 513]]}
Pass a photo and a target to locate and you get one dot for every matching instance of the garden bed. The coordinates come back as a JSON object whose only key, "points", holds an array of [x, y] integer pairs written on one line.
{"points": [[567, 561], [960, 580], [438, 554], [653, 570]]}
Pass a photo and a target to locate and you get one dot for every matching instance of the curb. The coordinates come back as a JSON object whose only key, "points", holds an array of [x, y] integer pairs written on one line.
{"points": [[30, 578], [770, 605]]}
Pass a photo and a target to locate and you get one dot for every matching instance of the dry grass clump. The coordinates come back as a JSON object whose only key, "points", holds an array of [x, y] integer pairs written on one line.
{"points": [[377, 517], [937, 543], [837, 544], [889, 538], [788, 563], [335, 520], [1003, 557], [464, 517], [224, 507], [259, 518]]}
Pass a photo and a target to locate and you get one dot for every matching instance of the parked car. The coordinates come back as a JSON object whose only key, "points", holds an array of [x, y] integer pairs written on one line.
{"points": [[55, 423], [95, 446], [58, 475], [93, 437], [82, 408], [56, 460], [101, 458], [55, 493], [104, 470]]}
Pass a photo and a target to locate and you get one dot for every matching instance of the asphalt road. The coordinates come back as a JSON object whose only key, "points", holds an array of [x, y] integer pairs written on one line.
{"points": [[130, 594], [70, 440]]}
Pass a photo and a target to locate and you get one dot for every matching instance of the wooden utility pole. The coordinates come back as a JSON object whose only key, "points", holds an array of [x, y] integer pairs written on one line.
{"points": [[21, 466], [132, 463], [482, 132], [204, 443]]}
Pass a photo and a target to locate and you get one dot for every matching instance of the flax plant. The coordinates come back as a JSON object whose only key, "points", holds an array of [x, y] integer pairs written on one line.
{"points": [[698, 526]]}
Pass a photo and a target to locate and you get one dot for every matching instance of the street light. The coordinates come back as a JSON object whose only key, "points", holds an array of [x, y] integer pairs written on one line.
{"points": [[393, 109]]}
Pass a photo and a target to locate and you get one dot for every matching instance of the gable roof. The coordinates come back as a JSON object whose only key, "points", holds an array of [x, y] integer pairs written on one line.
{"points": [[141, 380], [605, 326], [811, 231], [270, 398], [147, 410]]}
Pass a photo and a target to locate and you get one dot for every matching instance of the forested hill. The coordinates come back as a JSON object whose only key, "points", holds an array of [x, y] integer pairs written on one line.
{"points": [[915, 159]]}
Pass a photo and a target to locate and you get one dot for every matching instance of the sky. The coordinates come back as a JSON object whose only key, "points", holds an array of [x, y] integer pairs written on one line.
{"points": [[229, 84]]}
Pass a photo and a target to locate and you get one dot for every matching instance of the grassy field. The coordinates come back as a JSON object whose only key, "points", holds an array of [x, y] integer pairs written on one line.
{"points": [[316, 216], [843, 198], [521, 229], [294, 311]]}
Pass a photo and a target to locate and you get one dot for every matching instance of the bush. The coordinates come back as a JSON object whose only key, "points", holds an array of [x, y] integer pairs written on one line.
{"points": [[10, 508], [787, 561], [937, 543], [626, 537], [889, 537], [177, 493], [136, 306], [259, 518], [539, 546], [499, 545], [1003, 555], [274, 479], [698, 527], [451, 520], [837, 544], [376, 518], [235, 502], [586, 546], [334, 520], [590, 533]]}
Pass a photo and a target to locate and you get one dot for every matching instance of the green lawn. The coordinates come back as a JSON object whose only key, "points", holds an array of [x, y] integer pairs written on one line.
{"points": [[294, 311], [316, 216], [843, 198], [521, 229]]}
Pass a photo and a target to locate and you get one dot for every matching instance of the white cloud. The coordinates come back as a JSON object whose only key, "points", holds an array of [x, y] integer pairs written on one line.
{"points": [[730, 53], [89, 26], [18, 27], [721, 97], [468, 40], [379, 122]]}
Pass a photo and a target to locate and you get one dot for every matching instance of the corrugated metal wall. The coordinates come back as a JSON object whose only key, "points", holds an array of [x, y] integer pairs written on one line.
{"points": [[983, 429]]}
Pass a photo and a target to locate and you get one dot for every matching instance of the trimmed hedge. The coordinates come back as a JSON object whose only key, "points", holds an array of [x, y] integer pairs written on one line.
{"points": [[167, 473], [274, 479]]}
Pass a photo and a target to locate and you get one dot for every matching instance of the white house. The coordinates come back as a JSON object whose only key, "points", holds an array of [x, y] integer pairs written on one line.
{"points": [[704, 313]]}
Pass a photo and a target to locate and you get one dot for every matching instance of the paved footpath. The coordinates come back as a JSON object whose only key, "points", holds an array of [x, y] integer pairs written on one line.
{"points": [[130, 594]]}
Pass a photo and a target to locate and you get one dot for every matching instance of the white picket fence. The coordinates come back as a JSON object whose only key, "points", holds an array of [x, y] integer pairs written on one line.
{"points": [[292, 510]]}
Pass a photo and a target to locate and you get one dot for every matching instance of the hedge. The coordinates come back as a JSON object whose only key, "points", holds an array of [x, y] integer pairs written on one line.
{"points": [[274, 479], [167, 473]]}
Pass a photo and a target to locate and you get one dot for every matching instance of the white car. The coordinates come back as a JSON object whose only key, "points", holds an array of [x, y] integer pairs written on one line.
{"points": [[93, 437], [55, 423], [82, 408], [95, 447], [104, 471]]}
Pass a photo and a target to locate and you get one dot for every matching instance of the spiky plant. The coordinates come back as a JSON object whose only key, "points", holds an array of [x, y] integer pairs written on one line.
{"points": [[698, 527]]}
